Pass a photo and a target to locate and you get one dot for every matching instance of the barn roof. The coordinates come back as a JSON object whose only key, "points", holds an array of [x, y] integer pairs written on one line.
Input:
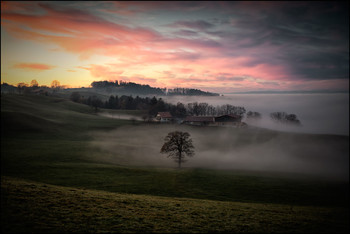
{"points": [[165, 114], [199, 119], [230, 116]]}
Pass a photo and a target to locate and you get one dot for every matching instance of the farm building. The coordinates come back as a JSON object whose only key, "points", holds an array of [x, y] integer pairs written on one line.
{"points": [[199, 120], [230, 120], [227, 119], [164, 117]]}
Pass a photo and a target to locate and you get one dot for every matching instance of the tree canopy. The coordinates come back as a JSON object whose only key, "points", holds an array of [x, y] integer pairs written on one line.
{"points": [[178, 145], [283, 117]]}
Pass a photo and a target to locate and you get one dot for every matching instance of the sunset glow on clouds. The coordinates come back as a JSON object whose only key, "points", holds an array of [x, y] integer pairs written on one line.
{"points": [[214, 46], [33, 66]]}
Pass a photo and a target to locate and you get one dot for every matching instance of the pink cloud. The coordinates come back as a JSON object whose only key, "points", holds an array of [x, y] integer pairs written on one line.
{"points": [[82, 33], [216, 63], [144, 80], [103, 72], [112, 74], [183, 70], [34, 66]]}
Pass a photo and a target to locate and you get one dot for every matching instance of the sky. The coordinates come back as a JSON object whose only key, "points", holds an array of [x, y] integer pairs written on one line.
{"points": [[235, 46]]}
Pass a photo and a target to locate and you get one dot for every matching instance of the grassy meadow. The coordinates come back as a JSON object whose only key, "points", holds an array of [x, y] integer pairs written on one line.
{"points": [[56, 178]]}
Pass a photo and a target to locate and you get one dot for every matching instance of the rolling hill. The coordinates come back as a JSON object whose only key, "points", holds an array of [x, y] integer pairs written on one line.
{"points": [[54, 180]]}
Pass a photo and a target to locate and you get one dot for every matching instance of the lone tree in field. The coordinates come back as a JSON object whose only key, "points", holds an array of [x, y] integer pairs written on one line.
{"points": [[178, 145]]}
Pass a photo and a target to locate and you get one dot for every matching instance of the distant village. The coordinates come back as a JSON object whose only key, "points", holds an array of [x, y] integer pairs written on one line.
{"points": [[228, 120]]}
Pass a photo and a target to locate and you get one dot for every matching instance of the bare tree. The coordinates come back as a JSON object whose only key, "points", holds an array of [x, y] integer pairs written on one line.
{"points": [[283, 117], [55, 85], [253, 115], [178, 145], [203, 107], [34, 83]]}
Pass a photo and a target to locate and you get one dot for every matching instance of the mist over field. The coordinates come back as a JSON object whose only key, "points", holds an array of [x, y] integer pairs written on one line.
{"points": [[120, 116], [318, 113], [256, 149], [228, 148]]}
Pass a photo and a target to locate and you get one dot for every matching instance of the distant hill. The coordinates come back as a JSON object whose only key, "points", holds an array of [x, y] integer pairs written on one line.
{"points": [[126, 88], [116, 88], [134, 88], [6, 88]]}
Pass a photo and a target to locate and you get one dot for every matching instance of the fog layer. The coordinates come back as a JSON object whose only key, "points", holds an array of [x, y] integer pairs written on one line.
{"points": [[318, 113], [120, 116], [228, 148]]}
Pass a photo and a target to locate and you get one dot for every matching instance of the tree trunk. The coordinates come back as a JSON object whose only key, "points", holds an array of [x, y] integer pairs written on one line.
{"points": [[180, 160]]}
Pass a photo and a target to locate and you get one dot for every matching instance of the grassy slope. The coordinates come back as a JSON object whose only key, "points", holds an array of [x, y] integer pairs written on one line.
{"points": [[45, 139], [46, 208], [50, 115]]}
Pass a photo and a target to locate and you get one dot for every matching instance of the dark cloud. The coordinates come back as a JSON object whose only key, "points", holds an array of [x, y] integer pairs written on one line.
{"points": [[268, 83], [320, 65], [186, 33], [310, 39], [218, 21], [200, 25]]}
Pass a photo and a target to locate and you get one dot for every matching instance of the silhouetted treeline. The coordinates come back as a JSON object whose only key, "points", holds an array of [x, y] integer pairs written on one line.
{"points": [[124, 102], [204, 109], [120, 88], [154, 105], [32, 88], [131, 87], [180, 110], [126, 87], [190, 92], [6, 88], [253, 115], [23, 88], [283, 117]]}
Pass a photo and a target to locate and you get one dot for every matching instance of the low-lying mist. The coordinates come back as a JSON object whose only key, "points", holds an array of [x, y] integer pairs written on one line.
{"points": [[120, 116], [250, 149], [318, 113]]}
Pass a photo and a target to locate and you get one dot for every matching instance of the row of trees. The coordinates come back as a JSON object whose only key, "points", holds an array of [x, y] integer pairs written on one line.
{"points": [[204, 109], [253, 115], [35, 84], [24, 88], [124, 102], [131, 87], [277, 117], [126, 87], [154, 105], [283, 117], [120, 87], [190, 92]]}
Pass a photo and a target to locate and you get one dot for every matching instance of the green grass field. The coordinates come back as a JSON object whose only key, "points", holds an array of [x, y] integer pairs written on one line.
{"points": [[50, 183], [38, 207]]}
